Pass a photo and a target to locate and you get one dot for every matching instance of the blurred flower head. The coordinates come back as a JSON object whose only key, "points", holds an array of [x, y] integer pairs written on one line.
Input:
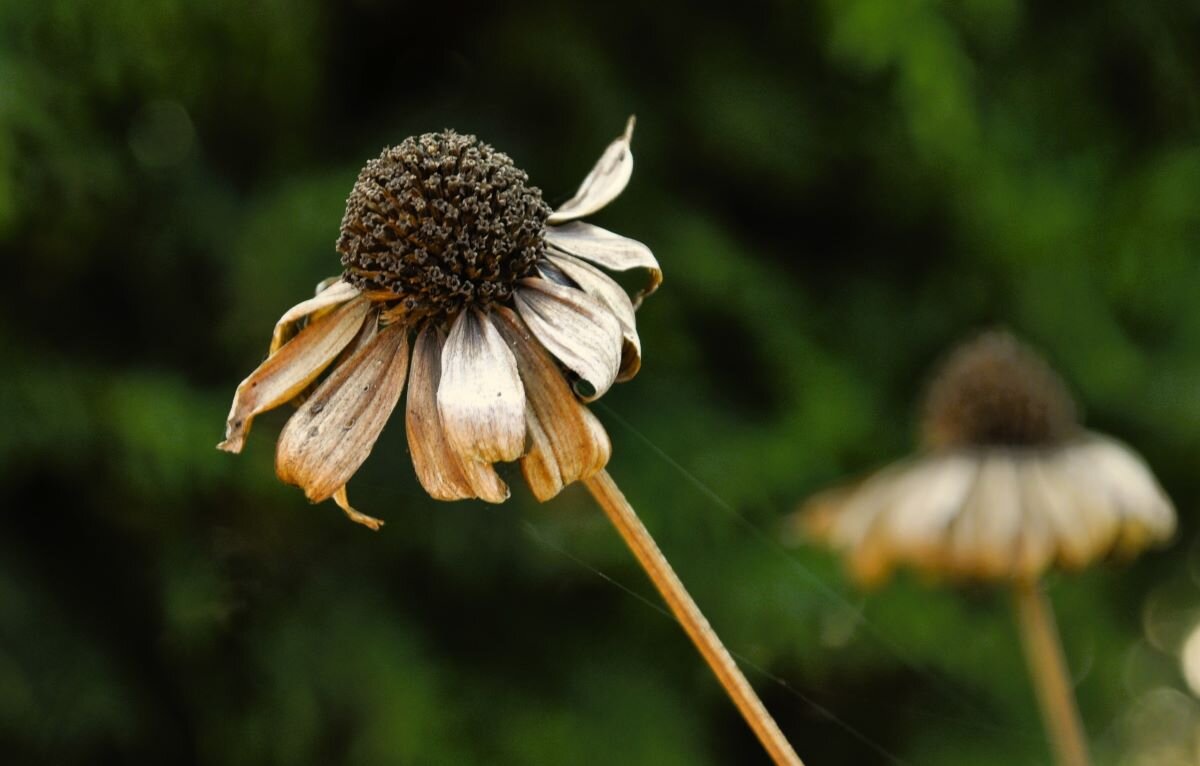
{"points": [[447, 248], [1009, 483]]}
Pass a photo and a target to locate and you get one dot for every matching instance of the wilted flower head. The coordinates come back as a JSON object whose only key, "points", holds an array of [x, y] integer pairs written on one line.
{"points": [[447, 248], [1010, 483]]}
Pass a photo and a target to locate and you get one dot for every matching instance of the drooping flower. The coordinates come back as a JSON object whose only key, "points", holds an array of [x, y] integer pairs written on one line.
{"points": [[462, 284], [1009, 485], [448, 250]]}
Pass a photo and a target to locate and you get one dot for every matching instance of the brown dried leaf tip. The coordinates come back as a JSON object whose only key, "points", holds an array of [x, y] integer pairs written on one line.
{"points": [[1011, 483], [448, 251]]}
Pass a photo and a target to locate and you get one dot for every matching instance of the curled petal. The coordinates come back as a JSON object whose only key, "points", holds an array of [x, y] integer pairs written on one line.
{"points": [[565, 442], [604, 248], [328, 438], [439, 469], [602, 445], [576, 328], [328, 296], [600, 286], [343, 502], [480, 397], [291, 369], [540, 465], [601, 186]]}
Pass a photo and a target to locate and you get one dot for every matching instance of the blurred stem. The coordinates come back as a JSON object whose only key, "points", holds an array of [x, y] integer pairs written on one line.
{"points": [[1051, 679], [636, 536]]}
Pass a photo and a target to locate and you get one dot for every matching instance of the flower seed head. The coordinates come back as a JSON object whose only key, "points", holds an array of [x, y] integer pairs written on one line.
{"points": [[995, 391], [442, 221]]}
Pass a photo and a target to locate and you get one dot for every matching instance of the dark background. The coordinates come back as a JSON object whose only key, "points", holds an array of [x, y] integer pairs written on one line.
{"points": [[837, 191]]}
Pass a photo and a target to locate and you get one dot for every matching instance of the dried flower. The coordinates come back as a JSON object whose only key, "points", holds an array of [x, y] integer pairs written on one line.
{"points": [[447, 248], [1010, 483], [443, 239]]}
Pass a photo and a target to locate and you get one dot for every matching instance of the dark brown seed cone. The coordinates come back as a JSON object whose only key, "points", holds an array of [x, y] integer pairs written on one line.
{"points": [[995, 391], [442, 221]]}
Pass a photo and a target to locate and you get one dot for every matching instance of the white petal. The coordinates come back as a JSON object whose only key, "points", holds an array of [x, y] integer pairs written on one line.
{"points": [[328, 297], [600, 286], [576, 328], [919, 520], [480, 397], [1038, 543], [440, 470], [856, 509], [1070, 509], [330, 436], [1147, 515], [607, 180], [986, 533], [859, 527], [604, 248]]}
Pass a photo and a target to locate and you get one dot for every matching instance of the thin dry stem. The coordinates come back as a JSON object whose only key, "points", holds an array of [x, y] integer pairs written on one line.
{"points": [[1051, 679], [636, 536]]}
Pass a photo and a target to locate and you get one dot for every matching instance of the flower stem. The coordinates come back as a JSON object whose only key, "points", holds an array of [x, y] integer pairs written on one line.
{"points": [[636, 536], [1051, 679]]}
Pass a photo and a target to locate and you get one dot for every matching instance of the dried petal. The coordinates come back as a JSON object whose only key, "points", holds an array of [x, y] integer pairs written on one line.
{"points": [[328, 297], [578, 329], [328, 438], [603, 184], [600, 286], [604, 248], [480, 397], [286, 373], [440, 470], [343, 502], [564, 444]]}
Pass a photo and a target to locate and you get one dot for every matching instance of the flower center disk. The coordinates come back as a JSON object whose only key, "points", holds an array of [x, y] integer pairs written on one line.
{"points": [[440, 222], [994, 391]]}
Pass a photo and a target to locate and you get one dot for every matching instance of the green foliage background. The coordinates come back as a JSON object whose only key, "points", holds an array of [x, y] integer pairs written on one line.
{"points": [[837, 191]]}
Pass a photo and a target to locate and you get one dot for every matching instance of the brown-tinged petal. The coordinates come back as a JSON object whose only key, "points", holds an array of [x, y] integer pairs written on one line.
{"points": [[604, 248], [370, 327], [540, 464], [328, 438], [576, 328], [480, 396], [286, 373], [357, 517], [601, 186], [600, 286], [601, 443], [564, 445], [330, 296], [439, 469]]}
